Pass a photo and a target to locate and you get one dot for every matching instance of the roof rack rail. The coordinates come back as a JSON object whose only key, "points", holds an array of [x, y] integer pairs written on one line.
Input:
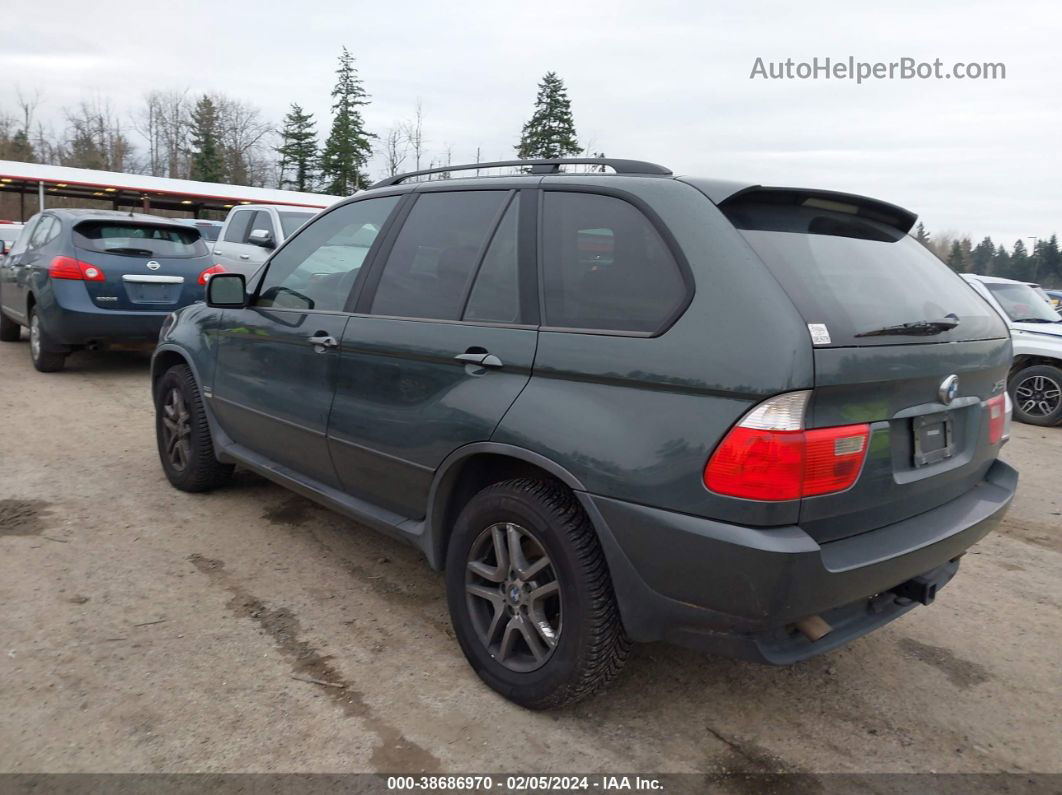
{"points": [[550, 166]]}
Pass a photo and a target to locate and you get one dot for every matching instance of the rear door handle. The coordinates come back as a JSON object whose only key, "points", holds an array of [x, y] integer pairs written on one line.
{"points": [[323, 341], [245, 256], [482, 359]]}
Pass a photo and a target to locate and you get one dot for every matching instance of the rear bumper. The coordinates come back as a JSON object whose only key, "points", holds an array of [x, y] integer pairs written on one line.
{"points": [[71, 318], [738, 590]]}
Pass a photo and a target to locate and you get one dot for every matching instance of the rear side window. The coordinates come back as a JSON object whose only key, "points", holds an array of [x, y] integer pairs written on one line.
{"points": [[139, 240], [856, 274], [495, 295], [435, 255], [238, 223], [605, 266]]}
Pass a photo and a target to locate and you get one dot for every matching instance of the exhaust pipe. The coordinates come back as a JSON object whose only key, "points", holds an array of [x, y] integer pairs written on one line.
{"points": [[814, 627]]}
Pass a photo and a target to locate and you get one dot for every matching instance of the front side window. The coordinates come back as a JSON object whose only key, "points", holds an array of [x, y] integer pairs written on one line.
{"points": [[237, 228], [262, 222], [318, 267], [435, 255], [605, 266]]}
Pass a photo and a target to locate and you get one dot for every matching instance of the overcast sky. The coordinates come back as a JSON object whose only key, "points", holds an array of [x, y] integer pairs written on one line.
{"points": [[662, 81]]}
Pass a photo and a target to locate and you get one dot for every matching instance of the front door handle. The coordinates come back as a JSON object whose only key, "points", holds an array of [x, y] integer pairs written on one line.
{"points": [[482, 359], [322, 341], [245, 256]]}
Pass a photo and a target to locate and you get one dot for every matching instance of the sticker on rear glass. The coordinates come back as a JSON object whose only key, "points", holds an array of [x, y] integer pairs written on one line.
{"points": [[820, 335]]}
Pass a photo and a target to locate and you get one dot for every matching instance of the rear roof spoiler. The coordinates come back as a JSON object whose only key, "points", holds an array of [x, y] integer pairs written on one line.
{"points": [[728, 192], [861, 206]]}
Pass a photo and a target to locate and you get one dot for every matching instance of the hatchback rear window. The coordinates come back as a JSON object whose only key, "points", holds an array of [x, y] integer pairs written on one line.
{"points": [[139, 240], [859, 276]]}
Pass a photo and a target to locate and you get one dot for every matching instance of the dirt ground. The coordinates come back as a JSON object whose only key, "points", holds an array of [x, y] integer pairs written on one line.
{"points": [[144, 629]]}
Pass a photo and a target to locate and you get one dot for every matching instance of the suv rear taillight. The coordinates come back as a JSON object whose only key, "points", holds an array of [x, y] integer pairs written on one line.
{"points": [[76, 270], [997, 417], [204, 277], [769, 456]]}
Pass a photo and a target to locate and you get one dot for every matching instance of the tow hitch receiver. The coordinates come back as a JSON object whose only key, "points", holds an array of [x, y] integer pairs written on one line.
{"points": [[919, 589]]}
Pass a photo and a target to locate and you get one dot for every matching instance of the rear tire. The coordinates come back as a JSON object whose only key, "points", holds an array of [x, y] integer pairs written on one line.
{"points": [[186, 449], [10, 331], [42, 350], [530, 595], [1036, 393]]}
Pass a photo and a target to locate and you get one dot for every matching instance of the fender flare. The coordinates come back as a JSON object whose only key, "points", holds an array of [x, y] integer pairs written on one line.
{"points": [[443, 483]]}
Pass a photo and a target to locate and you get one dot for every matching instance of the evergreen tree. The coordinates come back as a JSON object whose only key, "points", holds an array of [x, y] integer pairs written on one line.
{"points": [[1051, 260], [347, 150], [955, 258], [1020, 263], [921, 235], [550, 132], [207, 162], [298, 150], [981, 259], [1001, 263]]}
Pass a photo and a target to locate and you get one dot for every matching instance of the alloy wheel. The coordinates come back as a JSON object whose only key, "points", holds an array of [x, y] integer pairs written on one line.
{"points": [[35, 336], [513, 596], [177, 430], [1038, 395]]}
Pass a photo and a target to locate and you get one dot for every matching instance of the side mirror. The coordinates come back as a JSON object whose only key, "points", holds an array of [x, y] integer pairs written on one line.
{"points": [[261, 237], [227, 291]]}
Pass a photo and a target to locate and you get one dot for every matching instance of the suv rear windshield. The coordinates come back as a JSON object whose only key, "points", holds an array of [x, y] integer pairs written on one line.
{"points": [[858, 275], [139, 239]]}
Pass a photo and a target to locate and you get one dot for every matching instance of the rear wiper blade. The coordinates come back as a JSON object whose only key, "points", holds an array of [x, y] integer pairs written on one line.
{"points": [[142, 252], [917, 328]]}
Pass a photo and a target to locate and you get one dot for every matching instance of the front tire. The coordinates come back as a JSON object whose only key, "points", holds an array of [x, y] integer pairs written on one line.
{"points": [[182, 431], [42, 350], [1036, 393], [530, 595], [10, 331]]}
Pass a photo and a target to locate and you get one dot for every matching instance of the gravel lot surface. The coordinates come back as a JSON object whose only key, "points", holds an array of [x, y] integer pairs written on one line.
{"points": [[144, 629]]}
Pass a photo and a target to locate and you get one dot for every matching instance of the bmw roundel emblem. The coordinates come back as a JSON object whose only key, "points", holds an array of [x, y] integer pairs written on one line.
{"points": [[949, 389], [153, 266]]}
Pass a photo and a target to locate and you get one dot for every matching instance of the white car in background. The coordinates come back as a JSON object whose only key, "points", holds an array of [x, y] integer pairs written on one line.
{"points": [[9, 232], [1035, 380]]}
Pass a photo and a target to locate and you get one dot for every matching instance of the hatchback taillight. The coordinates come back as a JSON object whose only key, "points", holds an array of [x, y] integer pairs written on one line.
{"points": [[769, 456], [75, 270], [997, 417], [204, 277]]}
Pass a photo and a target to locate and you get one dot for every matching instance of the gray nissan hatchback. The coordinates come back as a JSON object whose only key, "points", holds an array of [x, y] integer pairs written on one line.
{"points": [[613, 407]]}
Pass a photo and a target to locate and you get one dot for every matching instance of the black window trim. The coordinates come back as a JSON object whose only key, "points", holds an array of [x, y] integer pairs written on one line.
{"points": [[661, 229], [525, 257], [397, 214]]}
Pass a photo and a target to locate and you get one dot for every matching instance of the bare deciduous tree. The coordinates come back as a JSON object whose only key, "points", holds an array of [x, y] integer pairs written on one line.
{"points": [[395, 149]]}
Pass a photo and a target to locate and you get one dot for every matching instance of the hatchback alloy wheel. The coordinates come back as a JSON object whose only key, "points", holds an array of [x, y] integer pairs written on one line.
{"points": [[176, 430], [513, 596]]}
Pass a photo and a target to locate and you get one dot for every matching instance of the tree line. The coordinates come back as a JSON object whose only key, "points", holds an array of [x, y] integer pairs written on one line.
{"points": [[1040, 261], [218, 138]]}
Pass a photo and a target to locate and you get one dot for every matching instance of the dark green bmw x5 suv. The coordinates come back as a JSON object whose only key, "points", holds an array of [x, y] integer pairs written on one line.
{"points": [[613, 407]]}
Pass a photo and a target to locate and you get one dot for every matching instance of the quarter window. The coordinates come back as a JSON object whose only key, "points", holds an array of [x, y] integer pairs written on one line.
{"points": [[435, 255], [46, 230], [318, 267], [605, 266]]}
